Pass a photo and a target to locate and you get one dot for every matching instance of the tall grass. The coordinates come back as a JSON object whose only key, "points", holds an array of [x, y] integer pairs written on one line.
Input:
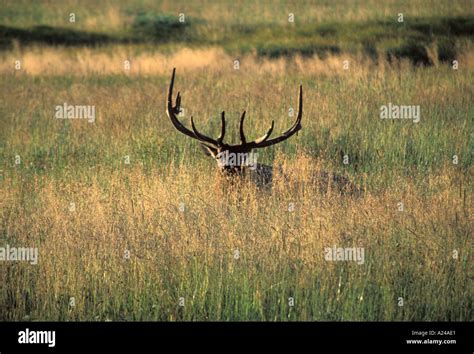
{"points": [[234, 255], [164, 229]]}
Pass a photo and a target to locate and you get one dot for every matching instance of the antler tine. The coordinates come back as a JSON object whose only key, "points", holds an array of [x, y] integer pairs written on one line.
{"points": [[266, 136], [172, 111], [263, 142], [178, 103], [202, 137], [220, 139], [241, 129]]}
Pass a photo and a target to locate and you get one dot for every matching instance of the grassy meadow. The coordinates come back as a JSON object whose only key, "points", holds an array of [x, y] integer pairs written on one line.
{"points": [[133, 222]]}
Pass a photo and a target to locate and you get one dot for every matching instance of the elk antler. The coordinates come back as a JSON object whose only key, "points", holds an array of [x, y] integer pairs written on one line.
{"points": [[263, 141], [214, 144], [172, 111]]}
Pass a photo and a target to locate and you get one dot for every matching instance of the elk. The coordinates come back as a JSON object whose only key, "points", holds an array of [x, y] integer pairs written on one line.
{"points": [[236, 160]]}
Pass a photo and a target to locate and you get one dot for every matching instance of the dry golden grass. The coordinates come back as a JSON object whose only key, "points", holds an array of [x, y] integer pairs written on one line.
{"points": [[192, 253], [40, 61]]}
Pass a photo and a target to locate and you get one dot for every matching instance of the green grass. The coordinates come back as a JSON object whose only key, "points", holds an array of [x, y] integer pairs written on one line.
{"points": [[191, 254], [267, 36], [75, 157], [375, 144]]}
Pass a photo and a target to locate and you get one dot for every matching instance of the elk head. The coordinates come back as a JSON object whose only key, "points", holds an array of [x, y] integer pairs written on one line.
{"points": [[230, 158]]}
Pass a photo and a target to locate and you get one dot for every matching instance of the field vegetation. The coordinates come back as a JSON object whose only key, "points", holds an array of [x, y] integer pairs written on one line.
{"points": [[133, 222]]}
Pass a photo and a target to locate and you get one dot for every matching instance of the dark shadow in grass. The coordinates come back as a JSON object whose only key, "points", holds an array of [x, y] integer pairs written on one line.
{"points": [[452, 26], [53, 36], [147, 27], [414, 51], [307, 50], [422, 32]]}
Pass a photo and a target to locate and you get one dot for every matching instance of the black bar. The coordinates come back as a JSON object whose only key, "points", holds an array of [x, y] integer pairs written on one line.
{"points": [[243, 336]]}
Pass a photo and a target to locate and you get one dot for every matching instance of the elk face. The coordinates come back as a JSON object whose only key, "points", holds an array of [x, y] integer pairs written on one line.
{"points": [[231, 159]]}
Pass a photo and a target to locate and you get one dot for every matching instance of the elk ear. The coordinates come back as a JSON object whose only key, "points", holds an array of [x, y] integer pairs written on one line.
{"points": [[208, 151]]}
